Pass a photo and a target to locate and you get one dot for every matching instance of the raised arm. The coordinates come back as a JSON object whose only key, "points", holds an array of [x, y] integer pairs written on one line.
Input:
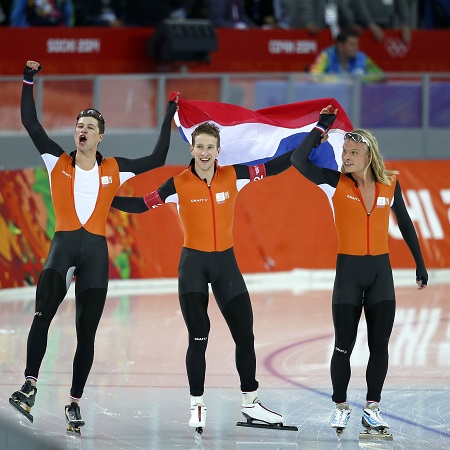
{"points": [[409, 235], [29, 116], [159, 154], [281, 163], [300, 157]]}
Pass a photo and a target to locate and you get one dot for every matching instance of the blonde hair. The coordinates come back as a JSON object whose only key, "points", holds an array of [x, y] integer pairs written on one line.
{"points": [[376, 163]]}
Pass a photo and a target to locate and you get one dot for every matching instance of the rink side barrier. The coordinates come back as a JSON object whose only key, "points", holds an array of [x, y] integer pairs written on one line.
{"points": [[296, 281]]}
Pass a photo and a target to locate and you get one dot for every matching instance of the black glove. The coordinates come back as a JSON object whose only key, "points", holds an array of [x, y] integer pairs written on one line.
{"points": [[326, 120], [422, 275], [29, 73], [171, 108]]}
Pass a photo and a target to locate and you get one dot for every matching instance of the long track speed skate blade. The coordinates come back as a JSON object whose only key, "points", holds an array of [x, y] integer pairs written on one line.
{"points": [[22, 410], [271, 426], [72, 429], [376, 434]]}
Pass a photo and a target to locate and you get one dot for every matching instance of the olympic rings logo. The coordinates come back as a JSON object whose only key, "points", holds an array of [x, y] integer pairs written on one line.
{"points": [[395, 47]]}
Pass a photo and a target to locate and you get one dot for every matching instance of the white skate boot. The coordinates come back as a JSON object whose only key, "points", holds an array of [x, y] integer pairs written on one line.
{"points": [[258, 415], [375, 426], [198, 414], [339, 417]]}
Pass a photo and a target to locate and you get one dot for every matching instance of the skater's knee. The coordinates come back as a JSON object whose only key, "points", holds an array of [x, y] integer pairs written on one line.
{"points": [[50, 292], [378, 346], [198, 340], [244, 340], [86, 342], [89, 309], [48, 300], [41, 322], [342, 351], [241, 329], [198, 330], [86, 335], [194, 307]]}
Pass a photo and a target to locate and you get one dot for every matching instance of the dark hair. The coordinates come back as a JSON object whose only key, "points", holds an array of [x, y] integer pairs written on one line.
{"points": [[344, 35], [96, 115], [207, 128]]}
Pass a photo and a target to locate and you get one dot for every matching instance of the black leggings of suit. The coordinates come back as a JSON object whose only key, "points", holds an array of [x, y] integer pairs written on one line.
{"points": [[196, 270], [87, 255], [239, 317], [362, 282]]}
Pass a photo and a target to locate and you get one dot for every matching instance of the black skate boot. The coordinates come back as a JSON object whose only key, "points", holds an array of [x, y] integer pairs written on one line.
{"points": [[73, 418], [23, 399]]}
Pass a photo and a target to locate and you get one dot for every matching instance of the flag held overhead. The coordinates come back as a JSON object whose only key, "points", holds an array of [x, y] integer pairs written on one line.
{"points": [[254, 137]]}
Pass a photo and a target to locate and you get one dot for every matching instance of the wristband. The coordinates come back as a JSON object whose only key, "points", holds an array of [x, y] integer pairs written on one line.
{"points": [[153, 200], [320, 128]]}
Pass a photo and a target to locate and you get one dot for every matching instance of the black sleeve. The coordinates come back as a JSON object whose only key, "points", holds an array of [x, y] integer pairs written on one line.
{"points": [[137, 205], [408, 232], [166, 189], [130, 204], [279, 164], [31, 123], [300, 160], [273, 167], [159, 154], [242, 171]]}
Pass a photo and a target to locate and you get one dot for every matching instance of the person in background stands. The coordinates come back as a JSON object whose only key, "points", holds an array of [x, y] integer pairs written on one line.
{"points": [[150, 13], [228, 14], [98, 13], [317, 15], [434, 14], [262, 13], [5, 12], [42, 13], [375, 15], [344, 57]]}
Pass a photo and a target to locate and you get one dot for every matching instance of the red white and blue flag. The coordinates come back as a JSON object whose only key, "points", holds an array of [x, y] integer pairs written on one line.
{"points": [[255, 137]]}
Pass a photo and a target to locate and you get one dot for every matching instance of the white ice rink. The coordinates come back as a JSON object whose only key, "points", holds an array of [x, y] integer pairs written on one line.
{"points": [[137, 395]]}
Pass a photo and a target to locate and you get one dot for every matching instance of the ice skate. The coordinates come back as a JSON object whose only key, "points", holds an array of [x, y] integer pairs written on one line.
{"points": [[375, 426], [259, 416], [339, 418], [73, 418], [198, 414], [23, 399]]}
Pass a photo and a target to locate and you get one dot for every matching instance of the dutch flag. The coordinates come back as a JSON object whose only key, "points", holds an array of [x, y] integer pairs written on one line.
{"points": [[255, 137]]}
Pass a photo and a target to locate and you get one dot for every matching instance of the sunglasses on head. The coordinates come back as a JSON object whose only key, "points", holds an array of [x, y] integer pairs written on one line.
{"points": [[355, 137], [91, 112]]}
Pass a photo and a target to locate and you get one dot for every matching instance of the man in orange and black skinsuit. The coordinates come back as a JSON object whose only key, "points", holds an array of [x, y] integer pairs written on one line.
{"points": [[361, 196], [205, 194], [83, 185]]}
